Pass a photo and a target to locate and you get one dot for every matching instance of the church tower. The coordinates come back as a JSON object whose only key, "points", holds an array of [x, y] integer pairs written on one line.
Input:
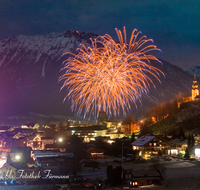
{"points": [[195, 91]]}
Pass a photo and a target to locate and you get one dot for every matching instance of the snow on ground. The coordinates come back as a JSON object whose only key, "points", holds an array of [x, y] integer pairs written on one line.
{"points": [[180, 174]]}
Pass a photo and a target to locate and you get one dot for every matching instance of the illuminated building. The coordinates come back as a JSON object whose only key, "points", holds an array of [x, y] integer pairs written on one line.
{"points": [[195, 91], [36, 142], [197, 151], [195, 94], [178, 146], [129, 126], [149, 146], [89, 133], [95, 153]]}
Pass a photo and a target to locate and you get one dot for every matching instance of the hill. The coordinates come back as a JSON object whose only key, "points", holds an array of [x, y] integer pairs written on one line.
{"points": [[29, 71], [187, 117]]}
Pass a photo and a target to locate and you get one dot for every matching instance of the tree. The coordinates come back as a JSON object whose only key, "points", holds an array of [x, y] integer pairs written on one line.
{"points": [[187, 155], [192, 141], [8, 158], [109, 174], [181, 134], [189, 141], [159, 167], [192, 144], [133, 137], [114, 175], [75, 146]]}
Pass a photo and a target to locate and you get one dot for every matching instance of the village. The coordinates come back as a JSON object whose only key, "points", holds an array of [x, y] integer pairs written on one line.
{"points": [[114, 153]]}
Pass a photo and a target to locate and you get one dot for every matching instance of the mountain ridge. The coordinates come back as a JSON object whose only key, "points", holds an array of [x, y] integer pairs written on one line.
{"points": [[30, 68], [194, 71]]}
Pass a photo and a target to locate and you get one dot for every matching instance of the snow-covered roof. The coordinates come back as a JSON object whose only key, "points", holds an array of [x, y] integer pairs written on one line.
{"points": [[179, 141], [142, 140], [197, 146]]}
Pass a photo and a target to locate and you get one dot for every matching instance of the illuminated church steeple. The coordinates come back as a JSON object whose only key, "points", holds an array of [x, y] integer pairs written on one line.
{"points": [[195, 91]]}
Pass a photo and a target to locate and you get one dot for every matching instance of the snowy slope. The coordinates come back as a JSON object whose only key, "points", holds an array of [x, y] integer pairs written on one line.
{"points": [[195, 70], [30, 67]]}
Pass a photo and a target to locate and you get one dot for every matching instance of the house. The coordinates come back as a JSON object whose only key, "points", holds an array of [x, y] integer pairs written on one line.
{"points": [[115, 135], [56, 165], [46, 140], [113, 125], [197, 98], [89, 133], [6, 128], [142, 178], [34, 141], [178, 145], [50, 153], [197, 151], [9, 143], [129, 126], [194, 96], [151, 146], [95, 153], [20, 155], [37, 142], [56, 147]]}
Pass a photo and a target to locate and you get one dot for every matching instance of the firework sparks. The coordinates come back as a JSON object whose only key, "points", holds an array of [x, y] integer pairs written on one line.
{"points": [[109, 76]]}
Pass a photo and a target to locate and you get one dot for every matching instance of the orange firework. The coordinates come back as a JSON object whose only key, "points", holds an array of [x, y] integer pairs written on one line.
{"points": [[109, 76]]}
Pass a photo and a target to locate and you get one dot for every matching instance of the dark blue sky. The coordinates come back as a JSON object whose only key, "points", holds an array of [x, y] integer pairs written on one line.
{"points": [[173, 24]]}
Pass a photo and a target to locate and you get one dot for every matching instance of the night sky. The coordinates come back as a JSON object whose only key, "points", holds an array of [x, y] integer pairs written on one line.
{"points": [[173, 24]]}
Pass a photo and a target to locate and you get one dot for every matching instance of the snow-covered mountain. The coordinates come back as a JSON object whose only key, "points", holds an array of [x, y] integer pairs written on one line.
{"points": [[195, 70], [30, 67]]}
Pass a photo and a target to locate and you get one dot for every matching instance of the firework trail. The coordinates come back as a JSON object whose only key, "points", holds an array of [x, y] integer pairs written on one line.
{"points": [[108, 76]]}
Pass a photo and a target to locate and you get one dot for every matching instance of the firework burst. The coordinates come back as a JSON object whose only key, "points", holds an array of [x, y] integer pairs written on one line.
{"points": [[109, 76]]}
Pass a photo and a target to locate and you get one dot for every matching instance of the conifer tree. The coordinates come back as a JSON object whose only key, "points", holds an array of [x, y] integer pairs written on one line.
{"points": [[181, 134], [189, 141], [193, 141]]}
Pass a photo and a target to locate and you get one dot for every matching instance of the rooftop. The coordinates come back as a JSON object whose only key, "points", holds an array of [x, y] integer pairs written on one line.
{"points": [[179, 141], [142, 140]]}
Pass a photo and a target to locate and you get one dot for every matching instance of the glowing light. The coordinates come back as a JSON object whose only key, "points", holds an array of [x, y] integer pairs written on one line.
{"points": [[109, 76], [197, 151], [135, 183], [110, 141], [17, 157], [174, 151], [60, 139]]}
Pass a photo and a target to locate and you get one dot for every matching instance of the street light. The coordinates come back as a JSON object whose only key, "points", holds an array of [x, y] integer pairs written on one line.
{"points": [[60, 139], [17, 157]]}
